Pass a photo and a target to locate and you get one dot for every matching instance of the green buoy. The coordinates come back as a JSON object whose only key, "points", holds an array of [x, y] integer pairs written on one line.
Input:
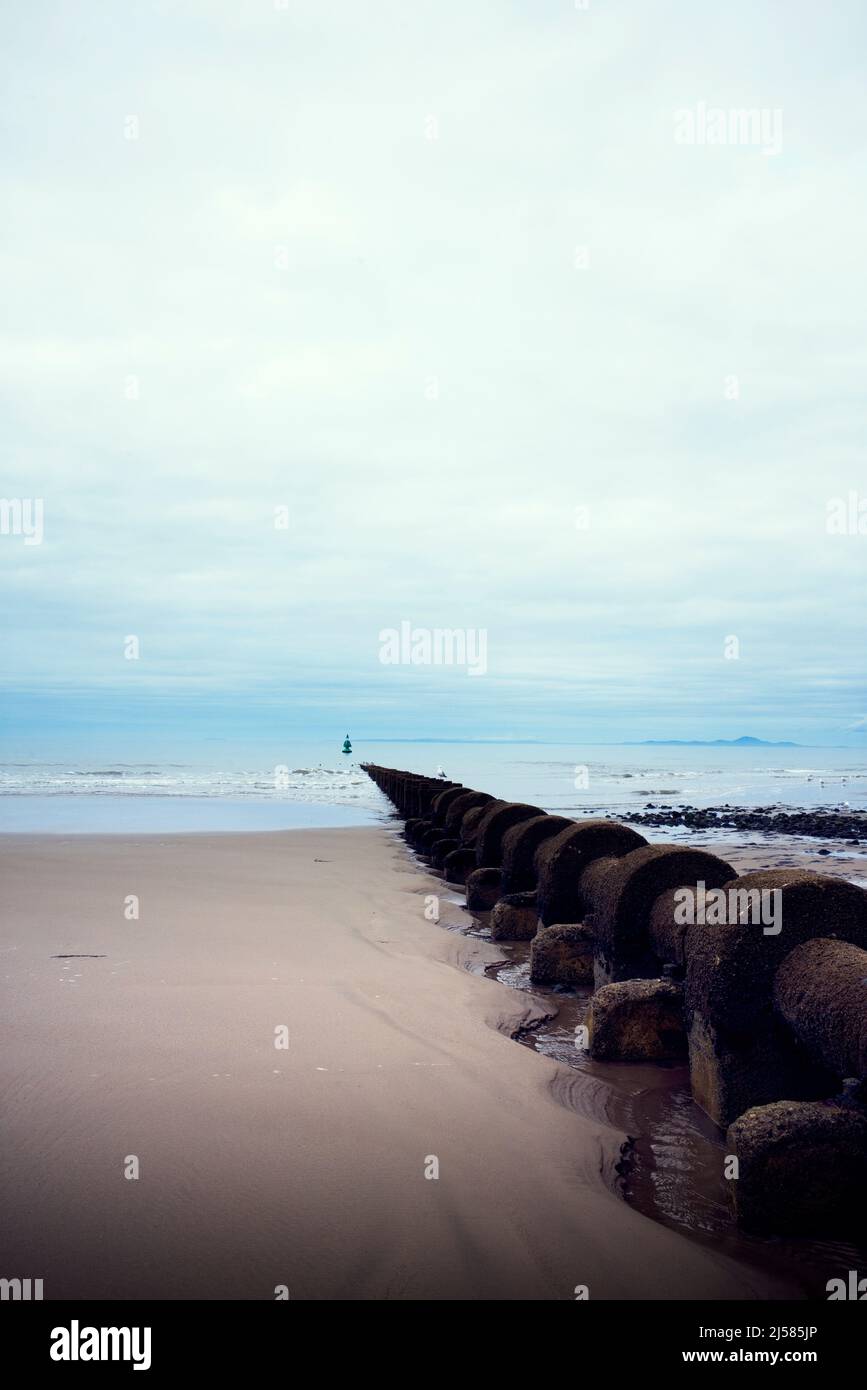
{"points": [[347, 746]]}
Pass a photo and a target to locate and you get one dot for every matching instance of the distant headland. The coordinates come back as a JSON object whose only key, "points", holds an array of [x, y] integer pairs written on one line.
{"points": [[746, 741]]}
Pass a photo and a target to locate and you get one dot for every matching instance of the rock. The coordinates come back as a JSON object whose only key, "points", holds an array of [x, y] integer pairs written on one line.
{"points": [[800, 1169], [562, 954], [458, 865], [484, 887], [515, 918], [637, 1021], [822, 822]]}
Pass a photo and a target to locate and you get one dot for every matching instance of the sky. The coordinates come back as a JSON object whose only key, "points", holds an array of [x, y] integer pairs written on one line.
{"points": [[324, 318]]}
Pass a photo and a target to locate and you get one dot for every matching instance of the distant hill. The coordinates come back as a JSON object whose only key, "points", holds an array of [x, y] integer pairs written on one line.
{"points": [[746, 741]]}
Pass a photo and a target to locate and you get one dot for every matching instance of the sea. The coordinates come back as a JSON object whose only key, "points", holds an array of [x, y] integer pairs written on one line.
{"points": [[313, 784]]}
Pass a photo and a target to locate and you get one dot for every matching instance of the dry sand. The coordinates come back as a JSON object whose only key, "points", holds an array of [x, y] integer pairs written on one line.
{"points": [[302, 1167]]}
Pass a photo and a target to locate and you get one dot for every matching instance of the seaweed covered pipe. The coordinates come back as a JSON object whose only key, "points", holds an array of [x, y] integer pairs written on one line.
{"points": [[772, 1009], [750, 1009]]}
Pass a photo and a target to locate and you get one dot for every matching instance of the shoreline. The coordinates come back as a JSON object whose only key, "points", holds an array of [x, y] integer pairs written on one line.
{"points": [[146, 814], [816, 823], [306, 1167]]}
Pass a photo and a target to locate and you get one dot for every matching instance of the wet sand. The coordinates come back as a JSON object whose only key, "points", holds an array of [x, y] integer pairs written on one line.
{"points": [[302, 1167]]}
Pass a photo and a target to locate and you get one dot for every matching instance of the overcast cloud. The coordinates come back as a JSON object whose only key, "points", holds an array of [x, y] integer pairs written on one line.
{"points": [[431, 276]]}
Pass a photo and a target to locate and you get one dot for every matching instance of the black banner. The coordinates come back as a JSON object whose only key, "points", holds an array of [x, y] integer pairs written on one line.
{"points": [[208, 1338]]}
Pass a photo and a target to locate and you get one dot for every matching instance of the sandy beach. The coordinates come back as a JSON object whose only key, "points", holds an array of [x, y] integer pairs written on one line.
{"points": [[305, 1166]]}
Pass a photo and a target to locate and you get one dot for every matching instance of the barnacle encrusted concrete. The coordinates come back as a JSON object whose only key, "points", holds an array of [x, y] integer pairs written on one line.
{"points": [[562, 954], [742, 1051], [561, 860], [801, 1169], [515, 918], [637, 1021]]}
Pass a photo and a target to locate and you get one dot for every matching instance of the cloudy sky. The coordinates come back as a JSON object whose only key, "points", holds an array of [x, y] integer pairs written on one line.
{"points": [[440, 280]]}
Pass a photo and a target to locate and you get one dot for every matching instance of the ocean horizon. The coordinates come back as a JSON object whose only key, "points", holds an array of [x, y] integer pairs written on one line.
{"points": [[312, 784]]}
